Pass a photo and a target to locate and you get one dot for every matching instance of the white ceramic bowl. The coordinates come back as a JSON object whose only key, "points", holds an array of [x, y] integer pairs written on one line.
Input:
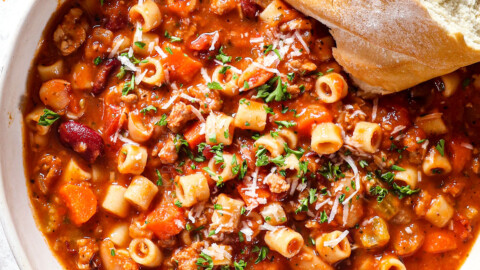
{"points": [[26, 241]]}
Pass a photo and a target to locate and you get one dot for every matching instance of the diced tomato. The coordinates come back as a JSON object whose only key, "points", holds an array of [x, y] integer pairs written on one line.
{"points": [[181, 7], [459, 152], [81, 202], [313, 115], [438, 241], [112, 121], [412, 138], [166, 221], [454, 185], [202, 43], [395, 115], [180, 66], [194, 136], [462, 227], [262, 193]]}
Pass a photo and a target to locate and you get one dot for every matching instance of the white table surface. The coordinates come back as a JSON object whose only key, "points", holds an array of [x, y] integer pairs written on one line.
{"points": [[8, 23]]}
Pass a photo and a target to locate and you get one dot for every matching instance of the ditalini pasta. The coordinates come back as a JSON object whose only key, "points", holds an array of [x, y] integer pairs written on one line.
{"points": [[146, 14], [285, 241], [331, 87], [223, 135]]}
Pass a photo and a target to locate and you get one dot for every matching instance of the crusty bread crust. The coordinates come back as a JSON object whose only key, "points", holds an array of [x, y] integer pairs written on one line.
{"points": [[389, 45]]}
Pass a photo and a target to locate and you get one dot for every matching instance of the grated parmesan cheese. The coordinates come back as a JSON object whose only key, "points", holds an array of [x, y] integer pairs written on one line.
{"points": [[160, 52], [334, 209], [139, 77], [138, 33], [256, 40], [300, 39], [319, 205], [346, 209], [189, 98], [467, 145], [332, 243], [214, 41], [374, 109], [198, 114], [272, 70], [169, 102], [126, 140], [126, 62], [204, 73], [115, 48], [397, 129]]}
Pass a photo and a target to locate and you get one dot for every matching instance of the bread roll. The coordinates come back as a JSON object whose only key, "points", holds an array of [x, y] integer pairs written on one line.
{"points": [[391, 45]]}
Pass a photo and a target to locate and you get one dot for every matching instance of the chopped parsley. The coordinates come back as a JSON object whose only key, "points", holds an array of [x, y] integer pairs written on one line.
{"points": [[121, 73], [245, 85], [403, 191], [172, 38], [268, 110], [286, 124], [205, 261], [178, 204], [397, 168], [262, 254], [221, 56], [332, 172], [363, 163], [243, 169], [312, 195], [48, 118], [240, 265], [129, 86], [379, 192], [279, 160], [269, 93], [147, 109], [97, 61], [140, 44], [159, 178], [303, 207], [224, 69], [299, 153], [262, 158], [290, 76], [441, 147], [214, 86], [323, 217], [163, 121]]}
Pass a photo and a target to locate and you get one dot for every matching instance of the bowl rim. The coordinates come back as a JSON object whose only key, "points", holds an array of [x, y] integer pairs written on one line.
{"points": [[6, 221], [11, 233]]}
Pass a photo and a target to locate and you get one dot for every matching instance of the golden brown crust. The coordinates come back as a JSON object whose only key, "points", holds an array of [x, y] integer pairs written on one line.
{"points": [[388, 46]]}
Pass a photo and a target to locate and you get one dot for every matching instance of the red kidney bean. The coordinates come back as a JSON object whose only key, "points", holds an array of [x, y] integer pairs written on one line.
{"points": [[102, 76], [249, 8], [82, 139]]}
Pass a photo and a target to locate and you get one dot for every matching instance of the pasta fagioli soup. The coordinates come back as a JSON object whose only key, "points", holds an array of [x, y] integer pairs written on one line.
{"points": [[222, 134]]}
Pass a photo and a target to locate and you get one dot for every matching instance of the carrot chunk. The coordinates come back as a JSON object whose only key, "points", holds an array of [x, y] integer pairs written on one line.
{"points": [[166, 221], [180, 66], [194, 136], [460, 153], [314, 114], [262, 193], [438, 241], [81, 202]]}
